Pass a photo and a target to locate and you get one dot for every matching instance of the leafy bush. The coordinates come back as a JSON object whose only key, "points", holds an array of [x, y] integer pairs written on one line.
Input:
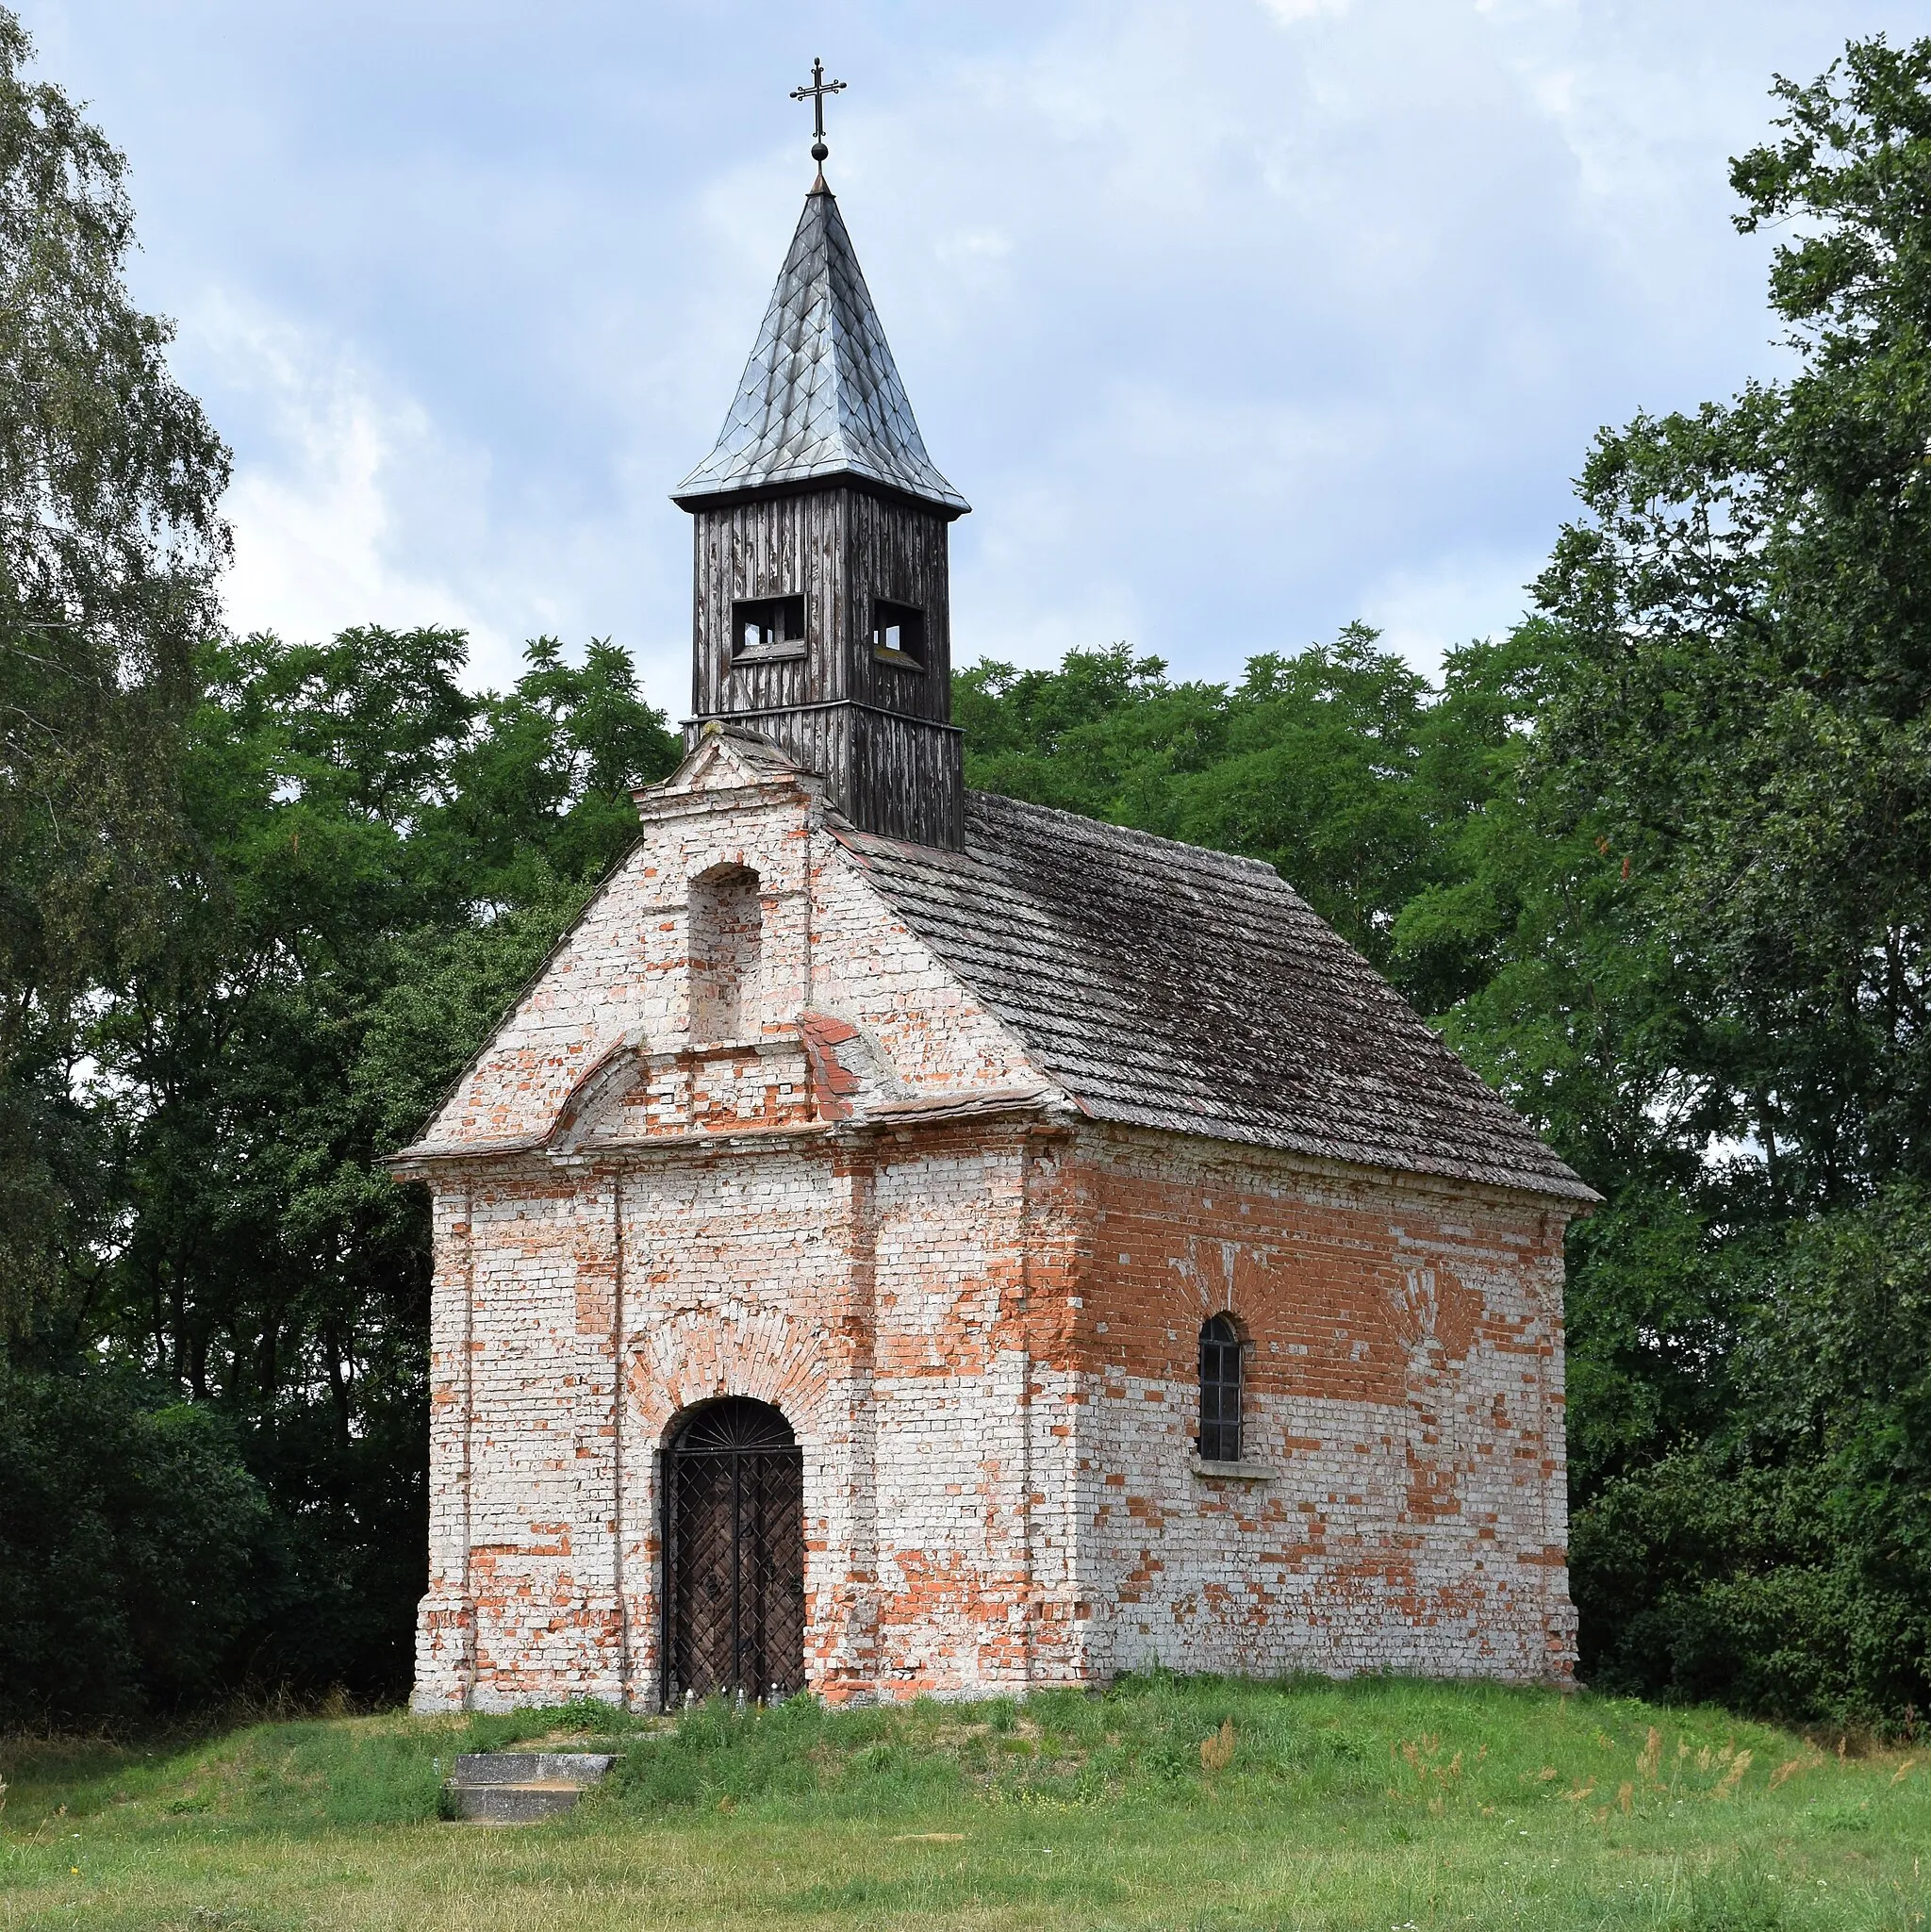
{"points": [[130, 1541], [1783, 1564]]}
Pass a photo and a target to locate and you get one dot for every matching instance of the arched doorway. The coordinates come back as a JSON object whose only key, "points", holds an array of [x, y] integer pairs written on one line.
{"points": [[733, 1553]]}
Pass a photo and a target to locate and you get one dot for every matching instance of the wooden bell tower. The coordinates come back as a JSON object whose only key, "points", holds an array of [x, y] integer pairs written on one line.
{"points": [[822, 610]]}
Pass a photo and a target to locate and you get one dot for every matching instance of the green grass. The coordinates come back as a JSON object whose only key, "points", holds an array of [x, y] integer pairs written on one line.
{"points": [[1383, 1803]]}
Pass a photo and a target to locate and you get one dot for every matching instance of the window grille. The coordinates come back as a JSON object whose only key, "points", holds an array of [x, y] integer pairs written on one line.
{"points": [[1220, 1391]]}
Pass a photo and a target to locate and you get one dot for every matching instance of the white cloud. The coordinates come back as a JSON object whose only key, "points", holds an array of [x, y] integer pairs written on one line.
{"points": [[1233, 321], [352, 503], [335, 475], [1288, 12], [1424, 612]]}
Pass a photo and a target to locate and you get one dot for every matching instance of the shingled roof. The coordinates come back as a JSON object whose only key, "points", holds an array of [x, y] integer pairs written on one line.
{"points": [[820, 396], [1168, 986]]}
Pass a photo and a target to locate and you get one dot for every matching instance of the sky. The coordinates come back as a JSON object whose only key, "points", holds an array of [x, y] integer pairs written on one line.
{"points": [[1234, 319]]}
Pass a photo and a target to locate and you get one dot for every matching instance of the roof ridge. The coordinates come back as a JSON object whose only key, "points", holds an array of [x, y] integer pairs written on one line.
{"points": [[1112, 829]]}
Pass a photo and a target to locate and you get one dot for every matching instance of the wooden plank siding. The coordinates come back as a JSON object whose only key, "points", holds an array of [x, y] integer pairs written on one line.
{"points": [[879, 733]]}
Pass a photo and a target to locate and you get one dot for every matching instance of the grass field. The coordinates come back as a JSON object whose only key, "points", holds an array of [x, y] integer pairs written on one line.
{"points": [[1380, 1804]]}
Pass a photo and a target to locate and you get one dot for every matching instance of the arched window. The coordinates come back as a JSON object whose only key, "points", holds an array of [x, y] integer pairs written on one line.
{"points": [[1220, 1390], [725, 930]]}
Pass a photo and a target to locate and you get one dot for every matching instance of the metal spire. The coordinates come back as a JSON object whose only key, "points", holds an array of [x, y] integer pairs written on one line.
{"points": [[820, 396], [816, 94]]}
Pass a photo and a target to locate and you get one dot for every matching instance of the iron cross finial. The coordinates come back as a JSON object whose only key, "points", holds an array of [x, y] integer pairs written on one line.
{"points": [[816, 94]]}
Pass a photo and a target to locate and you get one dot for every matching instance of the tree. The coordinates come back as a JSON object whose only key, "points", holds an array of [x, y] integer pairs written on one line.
{"points": [[110, 539], [131, 1544], [379, 860], [1730, 776], [1780, 1559], [1748, 610]]}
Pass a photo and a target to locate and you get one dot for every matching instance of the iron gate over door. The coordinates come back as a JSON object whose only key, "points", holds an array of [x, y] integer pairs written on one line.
{"points": [[733, 1549]]}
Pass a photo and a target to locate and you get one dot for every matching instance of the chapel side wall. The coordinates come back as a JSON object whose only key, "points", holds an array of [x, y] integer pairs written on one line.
{"points": [[1404, 1389], [975, 1377]]}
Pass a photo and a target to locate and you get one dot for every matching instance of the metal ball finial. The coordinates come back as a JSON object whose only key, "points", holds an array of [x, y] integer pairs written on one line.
{"points": [[818, 151]]}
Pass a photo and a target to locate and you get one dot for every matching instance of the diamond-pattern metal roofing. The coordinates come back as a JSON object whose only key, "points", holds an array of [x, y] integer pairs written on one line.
{"points": [[820, 396]]}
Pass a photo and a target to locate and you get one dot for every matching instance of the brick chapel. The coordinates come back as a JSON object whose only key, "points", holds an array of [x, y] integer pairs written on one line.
{"points": [[905, 1241]]}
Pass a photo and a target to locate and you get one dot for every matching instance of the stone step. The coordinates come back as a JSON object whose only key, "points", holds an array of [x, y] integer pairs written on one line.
{"points": [[521, 1787], [527, 1767], [514, 1804]]}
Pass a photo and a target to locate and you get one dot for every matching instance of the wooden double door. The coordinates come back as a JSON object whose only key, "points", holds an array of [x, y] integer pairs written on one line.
{"points": [[734, 1548]]}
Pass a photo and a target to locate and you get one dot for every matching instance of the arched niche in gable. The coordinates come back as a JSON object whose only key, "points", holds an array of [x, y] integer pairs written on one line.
{"points": [[726, 924]]}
